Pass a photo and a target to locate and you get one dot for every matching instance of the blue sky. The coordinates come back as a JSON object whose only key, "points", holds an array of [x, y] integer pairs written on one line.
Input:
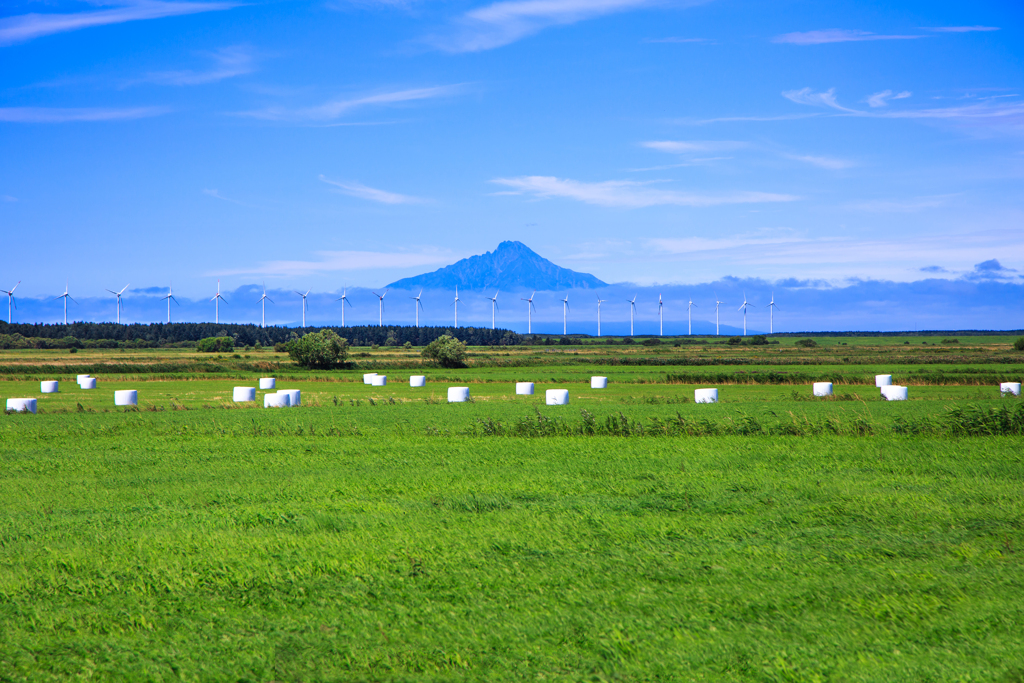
{"points": [[817, 149]]}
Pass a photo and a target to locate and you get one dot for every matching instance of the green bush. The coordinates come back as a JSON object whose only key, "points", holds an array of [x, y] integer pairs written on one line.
{"points": [[446, 351], [321, 350], [1019, 344], [807, 343], [758, 340], [651, 341], [735, 341], [216, 345]]}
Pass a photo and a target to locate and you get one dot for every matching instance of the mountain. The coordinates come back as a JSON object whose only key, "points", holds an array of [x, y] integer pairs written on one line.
{"points": [[511, 266]]}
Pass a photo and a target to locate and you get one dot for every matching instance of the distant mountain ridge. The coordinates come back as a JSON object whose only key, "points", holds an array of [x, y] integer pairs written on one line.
{"points": [[513, 265]]}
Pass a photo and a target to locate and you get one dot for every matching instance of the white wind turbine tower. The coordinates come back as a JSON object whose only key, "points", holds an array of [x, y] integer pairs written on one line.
{"points": [[661, 317], [689, 316], [344, 300], [380, 297], [303, 304], [456, 305], [65, 296], [771, 315], [599, 302], [744, 309], [217, 299], [169, 297], [10, 300], [419, 305], [632, 310], [717, 304], [565, 309], [119, 305], [263, 300], [530, 308], [494, 307]]}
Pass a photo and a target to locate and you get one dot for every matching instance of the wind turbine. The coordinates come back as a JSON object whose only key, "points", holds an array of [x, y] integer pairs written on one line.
{"points": [[169, 297], [689, 316], [65, 296], [303, 304], [661, 317], [10, 300], [599, 302], [217, 299], [263, 300], [744, 309], [771, 315], [456, 304], [494, 307], [717, 304], [344, 300], [380, 297], [119, 304], [632, 310], [565, 309], [530, 308], [419, 305]]}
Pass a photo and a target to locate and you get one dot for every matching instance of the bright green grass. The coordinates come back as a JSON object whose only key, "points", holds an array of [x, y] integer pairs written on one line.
{"points": [[171, 546]]}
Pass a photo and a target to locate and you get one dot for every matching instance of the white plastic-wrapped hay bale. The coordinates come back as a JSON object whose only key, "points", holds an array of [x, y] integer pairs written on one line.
{"points": [[894, 392], [823, 388], [79, 378], [22, 405], [243, 394], [380, 381], [1012, 388], [368, 377], [126, 397], [524, 388], [49, 387], [267, 383], [705, 396], [598, 382], [276, 400], [458, 394], [556, 397], [418, 381], [294, 396], [883, 380], [88, 383]]}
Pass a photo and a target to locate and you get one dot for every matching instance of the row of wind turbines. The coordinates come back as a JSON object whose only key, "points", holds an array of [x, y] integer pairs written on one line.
{"points": [[344, 299]]}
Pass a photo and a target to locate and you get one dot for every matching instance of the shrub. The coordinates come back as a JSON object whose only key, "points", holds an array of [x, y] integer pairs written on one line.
{"points": [[807, 343], [950, 341], [652, 341], [216, 345], [735, 341], [446, 351], [758, 340], [321, 350], [628, 340], [407, 345], [1019, 344]]}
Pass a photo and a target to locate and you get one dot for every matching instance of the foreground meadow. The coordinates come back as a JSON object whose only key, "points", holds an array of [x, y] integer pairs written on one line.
{"points": [[381, 534]]}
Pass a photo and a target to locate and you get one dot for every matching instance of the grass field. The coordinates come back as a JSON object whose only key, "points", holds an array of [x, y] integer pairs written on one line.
{"points": [[381, 534]]}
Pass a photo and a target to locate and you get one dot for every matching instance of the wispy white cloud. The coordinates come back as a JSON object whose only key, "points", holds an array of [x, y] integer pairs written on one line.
{"points": [[733, 119], [694, 146], [505, 22], [909, 205], [24, 27], [835, 35], [51, 115], [816, 99], [628, 194], [230, 62], [335, 109], [830, 163], [217, 195], [7, 198], [372, 194], [958, 29], [676, 40], [335, 261], [880, 99]]}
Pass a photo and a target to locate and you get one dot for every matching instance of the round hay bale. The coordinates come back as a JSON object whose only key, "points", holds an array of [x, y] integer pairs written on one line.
{"points": [[267, 383], [79, 378], [458, 394], [418, 381], [1012, 388], [294, 395], [598, 382], [556, 397], [22, 405], [823, 388], [243, 394], [126, 397], [524, 388], [49, 387], [894, 392], [88, 383], [883, 380], [276, 400], [380, 380], [705, 396], [368, 377]]}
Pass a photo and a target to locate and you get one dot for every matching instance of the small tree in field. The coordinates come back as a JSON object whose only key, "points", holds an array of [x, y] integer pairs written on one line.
{"points": [[446, 351], [1019, 344], [807, 343], [321, 350]]}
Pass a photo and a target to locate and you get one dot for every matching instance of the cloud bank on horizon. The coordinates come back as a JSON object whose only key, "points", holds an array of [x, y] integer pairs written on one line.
{"points": [[363, 141]]}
